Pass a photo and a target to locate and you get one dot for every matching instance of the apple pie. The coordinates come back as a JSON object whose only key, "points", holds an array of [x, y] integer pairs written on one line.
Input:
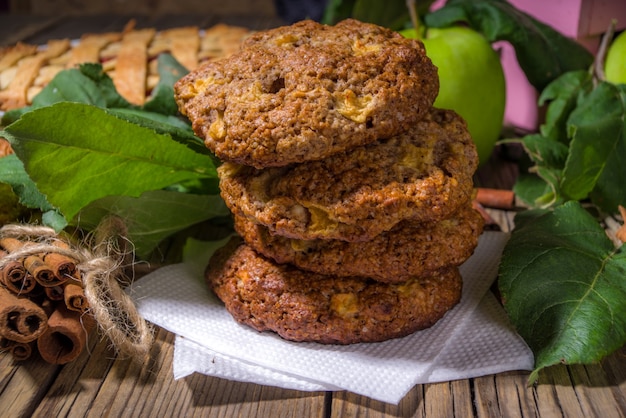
{"points": [[129, 57]]}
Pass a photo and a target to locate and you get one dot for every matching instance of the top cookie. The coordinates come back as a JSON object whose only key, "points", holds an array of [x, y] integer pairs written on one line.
{"points": [[307, 91]]}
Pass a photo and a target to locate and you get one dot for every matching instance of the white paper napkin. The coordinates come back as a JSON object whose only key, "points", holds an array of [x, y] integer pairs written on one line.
{"points": [[473, 339]]}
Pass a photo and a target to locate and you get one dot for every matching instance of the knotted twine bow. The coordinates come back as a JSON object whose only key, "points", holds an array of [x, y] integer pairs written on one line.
{"points": [[101, 269]]}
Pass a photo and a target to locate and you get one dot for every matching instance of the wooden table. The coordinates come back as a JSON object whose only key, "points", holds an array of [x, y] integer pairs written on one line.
{"points": [[100, 383]]}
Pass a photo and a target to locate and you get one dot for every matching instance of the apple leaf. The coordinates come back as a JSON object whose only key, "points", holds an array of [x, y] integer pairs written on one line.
{"points": [[546, 151], [178, 129], [162, 97], [12, 173], [77, 153], [531, 189], [597, 127], [609, 191], [154, 215], [580, 147], [542, 52], [562, 284], [549, 157], [393, 14], [563, 94]]}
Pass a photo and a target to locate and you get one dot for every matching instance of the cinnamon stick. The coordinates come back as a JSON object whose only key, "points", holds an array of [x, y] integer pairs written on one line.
{"points": [[54, 293], [495, 198], [35, 265], [486, 216], [61, 265], [21, 319], [14, 276], [19, 351], [66, 335], [74, 297], [11, 244]]}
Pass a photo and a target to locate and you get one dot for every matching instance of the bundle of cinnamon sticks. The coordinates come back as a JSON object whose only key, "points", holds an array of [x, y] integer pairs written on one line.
{"points": [[42, 302]]}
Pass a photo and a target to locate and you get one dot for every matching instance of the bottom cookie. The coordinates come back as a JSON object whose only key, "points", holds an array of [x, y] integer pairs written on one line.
{"points": [[304, 306]]}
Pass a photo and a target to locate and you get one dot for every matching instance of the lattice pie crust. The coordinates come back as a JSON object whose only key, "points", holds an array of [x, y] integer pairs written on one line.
{"points": [[129, 57]]}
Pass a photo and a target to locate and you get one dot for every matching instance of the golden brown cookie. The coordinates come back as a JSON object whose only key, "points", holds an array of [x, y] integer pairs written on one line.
{"points": [[423, 175], [303, 306], [409, 249], [306, 91]]}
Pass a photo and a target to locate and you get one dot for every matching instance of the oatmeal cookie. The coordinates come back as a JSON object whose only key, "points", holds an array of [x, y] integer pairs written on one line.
{"points": [[423, 175], [304, 306], [306, 91], [410, 249]]}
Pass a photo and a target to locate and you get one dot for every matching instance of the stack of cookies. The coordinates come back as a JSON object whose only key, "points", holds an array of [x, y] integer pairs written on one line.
{"points": [[350, 192]]}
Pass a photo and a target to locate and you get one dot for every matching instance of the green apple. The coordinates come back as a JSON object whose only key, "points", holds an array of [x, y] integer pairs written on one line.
{"points": [[471, 81], [615, 62]]}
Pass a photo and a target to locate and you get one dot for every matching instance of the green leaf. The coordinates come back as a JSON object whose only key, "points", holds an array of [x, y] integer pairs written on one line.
{"points": [[549, 157], [532, 190], [196, 253], [337, 10], [69, 85], [609, 192], [10, 209], [105, 85], [153, 216], [598, 129], [12, 172], [562, 283], [177, 128], [63, 151], [542, 52], [545, 151], [393, 14], [162, 98], [562, 95], [54, 220], [552, 177]]}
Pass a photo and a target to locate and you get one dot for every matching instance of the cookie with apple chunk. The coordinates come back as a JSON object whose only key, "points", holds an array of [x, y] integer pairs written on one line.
{"points": [[307, 91], [424, 174], [304, 306], [410, 249]]}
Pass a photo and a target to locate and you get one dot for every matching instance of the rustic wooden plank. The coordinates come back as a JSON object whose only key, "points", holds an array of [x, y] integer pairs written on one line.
{"points": [[590, 384], [463, 398], [348, 404], [78, 382], [515, 397], [24, 384], [615, 367], [486, 397], [224, 398], [8, 366], [556, 396], [439, 400], [104, 386]]}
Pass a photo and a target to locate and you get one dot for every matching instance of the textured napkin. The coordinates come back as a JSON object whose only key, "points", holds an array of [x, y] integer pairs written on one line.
{"points": [[473, 339]]}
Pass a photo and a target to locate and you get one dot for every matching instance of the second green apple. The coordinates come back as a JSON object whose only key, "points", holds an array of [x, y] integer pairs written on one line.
{"points": [[471, 81]]}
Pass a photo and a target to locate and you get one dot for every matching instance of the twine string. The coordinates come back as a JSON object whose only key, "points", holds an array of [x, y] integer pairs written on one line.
{"points": [[102, 274]]}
